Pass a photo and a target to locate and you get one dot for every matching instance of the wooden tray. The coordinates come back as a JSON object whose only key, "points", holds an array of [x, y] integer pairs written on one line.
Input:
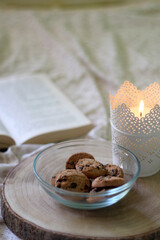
{"points": [[31, 214]]}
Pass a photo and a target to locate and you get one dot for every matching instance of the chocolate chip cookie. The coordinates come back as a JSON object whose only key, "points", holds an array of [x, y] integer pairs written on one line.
{"points": [[107, 181], [72, 180], [114, 170], [71, 162], [91, 168]]}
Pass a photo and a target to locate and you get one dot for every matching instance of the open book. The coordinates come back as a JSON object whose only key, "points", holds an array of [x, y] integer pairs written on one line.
{"points": [[34, 110]]}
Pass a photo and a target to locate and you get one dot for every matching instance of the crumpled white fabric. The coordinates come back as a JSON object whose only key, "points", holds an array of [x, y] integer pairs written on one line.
{"points": [[86, 52]]}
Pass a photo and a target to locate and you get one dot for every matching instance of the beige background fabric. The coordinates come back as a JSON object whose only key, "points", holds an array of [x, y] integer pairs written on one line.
{"points": [[86, 51]]}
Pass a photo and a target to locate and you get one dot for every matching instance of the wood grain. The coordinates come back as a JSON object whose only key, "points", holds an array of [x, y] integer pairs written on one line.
{"points": [[31, 214]]}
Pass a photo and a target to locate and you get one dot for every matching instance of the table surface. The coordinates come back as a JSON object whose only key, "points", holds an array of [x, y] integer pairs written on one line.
{"points": [[135, 217]]}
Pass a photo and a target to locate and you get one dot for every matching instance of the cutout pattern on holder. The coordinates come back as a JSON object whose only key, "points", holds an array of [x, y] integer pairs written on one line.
{"points": [[131, 96], [126, 121], [141, 135]]}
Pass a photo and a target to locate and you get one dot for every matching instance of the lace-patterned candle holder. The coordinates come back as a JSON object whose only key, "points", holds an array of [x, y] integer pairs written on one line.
{"points": [[138, 129]]}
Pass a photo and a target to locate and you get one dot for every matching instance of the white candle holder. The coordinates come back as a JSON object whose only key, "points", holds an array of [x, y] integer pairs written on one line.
{"points": [[138, 131]]}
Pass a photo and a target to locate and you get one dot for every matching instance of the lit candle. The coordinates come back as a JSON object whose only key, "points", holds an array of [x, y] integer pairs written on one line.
{"points": [[135, 121], [140, 111]]}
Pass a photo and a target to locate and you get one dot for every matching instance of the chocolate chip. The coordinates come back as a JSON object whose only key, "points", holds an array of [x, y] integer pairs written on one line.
{"points": [[87, 165], [98, 167], [86, 187], [59, 185], [108, 165], [114, 172], [71, 163], [59, 180], [73, 185], [80, 168], [101, 165]]}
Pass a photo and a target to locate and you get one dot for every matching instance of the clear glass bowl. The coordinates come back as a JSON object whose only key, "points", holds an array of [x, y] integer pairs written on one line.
{"points": [[52, 160]]}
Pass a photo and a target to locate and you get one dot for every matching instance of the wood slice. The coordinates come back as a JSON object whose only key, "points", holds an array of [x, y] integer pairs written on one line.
{"points": [[31, 214]]}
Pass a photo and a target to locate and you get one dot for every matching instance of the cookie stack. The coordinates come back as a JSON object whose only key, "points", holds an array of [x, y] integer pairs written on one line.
{"points": [[84, 174]]}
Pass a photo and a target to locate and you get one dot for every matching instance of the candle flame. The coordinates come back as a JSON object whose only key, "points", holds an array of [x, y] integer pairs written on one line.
{"points": [[141, 108]]}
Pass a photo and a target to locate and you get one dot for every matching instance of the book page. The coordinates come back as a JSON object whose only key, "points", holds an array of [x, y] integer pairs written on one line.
{"points": [[3, 130], [5, 139], [32, 106]]}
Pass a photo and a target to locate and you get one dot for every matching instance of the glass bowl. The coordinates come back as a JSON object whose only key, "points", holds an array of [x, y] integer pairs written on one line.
{"points": [[52, 160]]}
